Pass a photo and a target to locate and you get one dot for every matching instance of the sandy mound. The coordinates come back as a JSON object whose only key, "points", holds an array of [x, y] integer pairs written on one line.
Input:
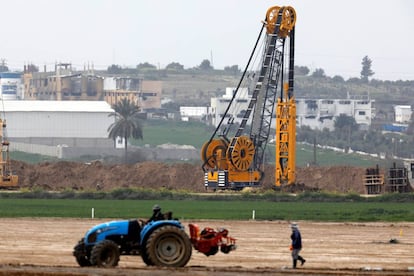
{"points": [[178, 176]]}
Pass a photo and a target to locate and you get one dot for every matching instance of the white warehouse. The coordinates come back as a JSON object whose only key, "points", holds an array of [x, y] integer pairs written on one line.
{"points": [[51, 127]]}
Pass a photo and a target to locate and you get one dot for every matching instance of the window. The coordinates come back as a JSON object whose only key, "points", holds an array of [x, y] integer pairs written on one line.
{"points": [[361, 112], [147, 94], [9, 89], [241, 101]]}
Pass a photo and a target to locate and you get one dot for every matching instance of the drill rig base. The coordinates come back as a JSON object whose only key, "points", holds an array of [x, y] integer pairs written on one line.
{"points": [[224, 179]]}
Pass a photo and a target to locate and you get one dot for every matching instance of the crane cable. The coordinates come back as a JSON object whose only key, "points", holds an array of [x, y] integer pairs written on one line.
{"points": [[238, 86], [248, 81]]}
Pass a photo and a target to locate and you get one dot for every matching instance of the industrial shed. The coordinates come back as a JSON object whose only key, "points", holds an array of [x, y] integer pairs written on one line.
{"points": [[58, 128]]}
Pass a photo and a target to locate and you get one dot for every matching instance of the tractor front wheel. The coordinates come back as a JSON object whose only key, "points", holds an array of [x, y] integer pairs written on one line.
{"points": [[168, 246], [105, 254], [81, 255]]}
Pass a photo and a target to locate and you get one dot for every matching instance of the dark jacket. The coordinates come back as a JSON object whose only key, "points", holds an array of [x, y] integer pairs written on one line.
{"points": [[296, 239], [157, 215]]}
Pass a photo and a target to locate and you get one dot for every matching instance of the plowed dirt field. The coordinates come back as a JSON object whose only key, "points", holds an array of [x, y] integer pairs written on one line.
{"points": [[44, 247]]}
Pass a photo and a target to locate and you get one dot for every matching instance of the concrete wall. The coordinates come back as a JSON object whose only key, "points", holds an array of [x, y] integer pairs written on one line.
{"points": [[69, 152], [70, 142]]}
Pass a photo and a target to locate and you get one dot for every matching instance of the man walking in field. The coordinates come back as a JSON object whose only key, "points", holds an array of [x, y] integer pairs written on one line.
{"points": [[296, 245]]}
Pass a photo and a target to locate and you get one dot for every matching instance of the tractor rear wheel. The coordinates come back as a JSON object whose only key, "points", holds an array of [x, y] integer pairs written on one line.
{"points": [[105, 254], [168, 246]]}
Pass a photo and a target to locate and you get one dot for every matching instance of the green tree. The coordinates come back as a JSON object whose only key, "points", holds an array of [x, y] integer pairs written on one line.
{"points": [[146, 66], [366, 71], [114, 69], [344, 127], [127, 123], [205, 65], [318, 73], [338, 78], [344, 121], [302, 70], [174, 66]]}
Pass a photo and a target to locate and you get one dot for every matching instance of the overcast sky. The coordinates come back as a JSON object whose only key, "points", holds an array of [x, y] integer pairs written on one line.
{"points": [[332, 35]]}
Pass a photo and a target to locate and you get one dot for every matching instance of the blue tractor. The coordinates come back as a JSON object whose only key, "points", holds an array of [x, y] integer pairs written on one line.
{"points": [[159, 243]]}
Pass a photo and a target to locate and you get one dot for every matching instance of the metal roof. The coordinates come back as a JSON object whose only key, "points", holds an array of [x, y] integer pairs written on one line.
{"points": [[56, 106]]}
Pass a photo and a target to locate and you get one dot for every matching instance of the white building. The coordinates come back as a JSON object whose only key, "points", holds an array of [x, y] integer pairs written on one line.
{"points": [[402, 113], [188, 113], [219, 105], [321, 113], [10, 86], [315, 113], [44, 126]]}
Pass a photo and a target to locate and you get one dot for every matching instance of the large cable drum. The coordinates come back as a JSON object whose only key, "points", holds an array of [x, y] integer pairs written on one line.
{"points": [[242, 154], [213, 154]]}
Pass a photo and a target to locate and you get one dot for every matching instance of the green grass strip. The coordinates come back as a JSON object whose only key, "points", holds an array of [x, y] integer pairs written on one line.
{"points": [[208, 209]]}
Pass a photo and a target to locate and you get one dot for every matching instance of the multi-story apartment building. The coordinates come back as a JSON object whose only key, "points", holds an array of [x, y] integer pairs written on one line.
{"points": [[321, 113], [65, 84], [62, 84]]}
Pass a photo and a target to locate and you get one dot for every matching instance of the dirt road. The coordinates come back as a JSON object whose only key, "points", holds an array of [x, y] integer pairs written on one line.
{"points": [[44, 247]]}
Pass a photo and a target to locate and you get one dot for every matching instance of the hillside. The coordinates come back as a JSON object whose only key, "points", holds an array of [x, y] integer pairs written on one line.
{"points": [[197, 87]]}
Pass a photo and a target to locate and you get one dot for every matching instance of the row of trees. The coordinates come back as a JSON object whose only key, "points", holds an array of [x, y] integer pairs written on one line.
{"points": [[205, 65], [347, 135]]}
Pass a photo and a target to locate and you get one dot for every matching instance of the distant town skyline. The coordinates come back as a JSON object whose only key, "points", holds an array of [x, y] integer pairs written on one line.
{"points": [[331, 35]]}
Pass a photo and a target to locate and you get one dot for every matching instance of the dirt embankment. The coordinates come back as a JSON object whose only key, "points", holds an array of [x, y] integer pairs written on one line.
{"points": [[178, 176]]}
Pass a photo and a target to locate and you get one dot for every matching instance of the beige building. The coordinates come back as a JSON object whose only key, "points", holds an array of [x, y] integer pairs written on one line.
{"points": [[150, 95], [146, 94], [64, 85]]}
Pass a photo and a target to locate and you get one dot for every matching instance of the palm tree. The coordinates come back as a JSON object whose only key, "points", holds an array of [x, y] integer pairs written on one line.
{"points": [[127, 123]]}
